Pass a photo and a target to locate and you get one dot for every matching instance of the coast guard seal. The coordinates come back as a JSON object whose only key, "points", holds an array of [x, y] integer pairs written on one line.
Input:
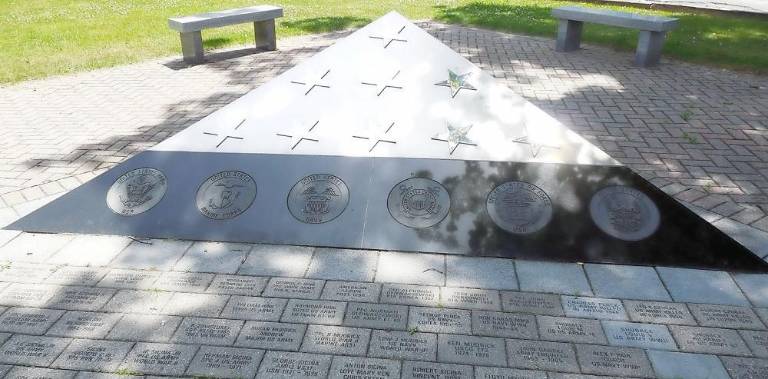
{"points": [[318, 198], [226, 195], [519, 207], [137, 191], [624, 213], [418, 202]]}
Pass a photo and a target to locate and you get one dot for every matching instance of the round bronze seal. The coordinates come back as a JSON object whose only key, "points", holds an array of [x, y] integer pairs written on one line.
{"points": [[519, 207], [418, 202], [318, 198], [137, 191], [226, 195], [624, 213]]}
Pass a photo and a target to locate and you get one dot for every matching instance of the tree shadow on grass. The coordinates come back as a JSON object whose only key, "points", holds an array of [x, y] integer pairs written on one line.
{"points": [[325, 24]]}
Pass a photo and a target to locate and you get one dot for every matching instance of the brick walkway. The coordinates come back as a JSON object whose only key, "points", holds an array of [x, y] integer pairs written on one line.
{"points": [[176, 308]]}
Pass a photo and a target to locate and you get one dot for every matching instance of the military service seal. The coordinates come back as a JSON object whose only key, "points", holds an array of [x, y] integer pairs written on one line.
{"points": [[137, 191], [624, 213], [519, 207], [226, 195], [318, 198], [418, 202]]}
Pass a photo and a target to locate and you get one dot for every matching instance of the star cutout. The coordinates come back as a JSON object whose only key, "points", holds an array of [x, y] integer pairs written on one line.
{"points": [[383, 86], [456, 83], [388, 39], [534, 146], [374, 137], [318, 84], [301, 135], [223, 138], [455, 137]]}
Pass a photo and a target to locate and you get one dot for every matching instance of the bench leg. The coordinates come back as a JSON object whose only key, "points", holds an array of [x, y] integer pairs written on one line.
{"points": [[569, 35], [649, 46], [192, 46], [265, 35]]}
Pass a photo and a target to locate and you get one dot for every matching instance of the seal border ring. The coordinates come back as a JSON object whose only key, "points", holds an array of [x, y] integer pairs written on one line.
{"points": [[288, 199], [592, 217], [419, 177], [256, 193], [106, 200], [552, 211]]}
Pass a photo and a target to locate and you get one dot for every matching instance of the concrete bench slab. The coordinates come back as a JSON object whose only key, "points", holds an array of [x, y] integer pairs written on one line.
{"points": [[190, 27], [653, 29]]}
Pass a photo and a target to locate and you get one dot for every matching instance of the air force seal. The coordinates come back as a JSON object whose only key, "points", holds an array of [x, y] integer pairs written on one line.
{"points": [[226, 195], [137, 191], [624, 213], [519, 207], [318, 198], [418, 202]]}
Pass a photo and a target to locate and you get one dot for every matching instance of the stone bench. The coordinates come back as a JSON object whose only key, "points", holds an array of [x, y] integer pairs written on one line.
{"points": [[189, 27], [653, 30]]}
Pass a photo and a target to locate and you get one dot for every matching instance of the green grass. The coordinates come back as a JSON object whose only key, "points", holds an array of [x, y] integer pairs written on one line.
{"points": [[47, 37]]}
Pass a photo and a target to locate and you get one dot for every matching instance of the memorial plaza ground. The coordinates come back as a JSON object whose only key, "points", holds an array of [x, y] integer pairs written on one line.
{"points": [[109, 306]]}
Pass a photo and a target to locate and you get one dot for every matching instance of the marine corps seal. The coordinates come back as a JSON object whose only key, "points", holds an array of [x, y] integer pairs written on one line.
{"points": [[136, 191], [226, 195], [519, 207], [624, 213], [318, 198], [418, 202]]}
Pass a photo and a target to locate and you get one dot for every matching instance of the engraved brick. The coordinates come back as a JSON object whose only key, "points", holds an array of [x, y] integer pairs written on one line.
{"points": [[335, 340], [271, 335], [646, 336], [486, 351], [590, 307], [93, 355], [159, 358], [507, 373], [501, 324], [363, 368], [28, 320], [725, 316], [469, 298], [757, 342], [536, 303], [84, 324], [278, 364], [423, 370], [76, 276], [314, 312], [130, 301], [237, 285], [620, 361], [351, 291], [571, 330], [440, 320], [225, 362], [183, 281], [21, 372], [378, 316], [133, 279], [28, 295], [659, 312], [294, 288], [746, 368], [208, 331], [81, 298], [254, 308], [403, 345], [32, 350], [410, 295], [540, 355], [709, 340]]}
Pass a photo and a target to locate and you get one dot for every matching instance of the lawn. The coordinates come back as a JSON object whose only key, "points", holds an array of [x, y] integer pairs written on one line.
{"points": [[48, 37]]}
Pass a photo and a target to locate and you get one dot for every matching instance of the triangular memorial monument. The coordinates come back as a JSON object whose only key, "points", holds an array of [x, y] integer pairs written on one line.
{"points": [[389, 140]]}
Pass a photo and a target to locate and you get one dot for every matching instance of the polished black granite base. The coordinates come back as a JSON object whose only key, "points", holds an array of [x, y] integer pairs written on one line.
{"points": [[572, 213]]}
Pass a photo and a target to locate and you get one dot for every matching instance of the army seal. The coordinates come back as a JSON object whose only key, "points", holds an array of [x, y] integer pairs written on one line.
{"points": [[418, 202], [137, 191], [519, 207], [624, 213], [226, 195], [318, 198]]}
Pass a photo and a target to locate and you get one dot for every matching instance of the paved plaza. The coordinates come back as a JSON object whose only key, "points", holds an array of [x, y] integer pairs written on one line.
{"points": [[74, 305]]}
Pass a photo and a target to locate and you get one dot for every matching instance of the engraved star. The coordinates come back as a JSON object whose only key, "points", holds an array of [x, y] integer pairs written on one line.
{"points": [[455, 137], [456, 83], [535, 146], [300, 135], [381, 87], [224, 138], [388, 39], [320, 83], [374, 136]]}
